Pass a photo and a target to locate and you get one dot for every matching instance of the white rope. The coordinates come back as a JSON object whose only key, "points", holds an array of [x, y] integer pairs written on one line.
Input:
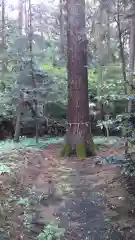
{"points": [[85, 123]]}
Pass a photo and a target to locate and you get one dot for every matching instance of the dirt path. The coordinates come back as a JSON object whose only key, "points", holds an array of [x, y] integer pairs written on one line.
{"points": [[88, 199]]}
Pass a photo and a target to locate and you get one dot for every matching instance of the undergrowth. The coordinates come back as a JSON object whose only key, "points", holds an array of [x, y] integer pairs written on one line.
{"points": [[11, 161], [105, 141], [51, 231], [9, 145], [128, 166]]}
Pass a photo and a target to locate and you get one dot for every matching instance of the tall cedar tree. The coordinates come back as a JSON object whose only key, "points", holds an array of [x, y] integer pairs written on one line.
{"points": [[78, 139]]}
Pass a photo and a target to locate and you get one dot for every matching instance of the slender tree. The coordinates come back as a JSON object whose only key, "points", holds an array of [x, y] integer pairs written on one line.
{"points": [[19, 111], [107, 6], [99, 46], [78, 138], [121, 45], [30, 36], [62, 26], [20, 16], [19, 108], [3, 38], [26, 16]]}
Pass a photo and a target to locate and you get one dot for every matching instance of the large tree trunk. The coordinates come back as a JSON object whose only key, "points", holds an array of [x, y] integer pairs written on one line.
{"points": [[78, 139], [131, 58]]}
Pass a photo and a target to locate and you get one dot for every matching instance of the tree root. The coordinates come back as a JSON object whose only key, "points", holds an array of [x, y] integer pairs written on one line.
{"points": [[81, 150]]}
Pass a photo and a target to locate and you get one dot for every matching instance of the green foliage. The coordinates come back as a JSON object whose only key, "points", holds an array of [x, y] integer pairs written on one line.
{"points": [[57, 71], [51, 232], [23, 201], [109, 125], [92, 82], [128, 166], [4, 169], [59, 76], [112, 84], [46, 54], [105, 141], [9, 145], [56, 110]]}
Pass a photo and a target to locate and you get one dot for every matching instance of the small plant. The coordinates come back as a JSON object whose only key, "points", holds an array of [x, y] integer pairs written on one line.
{"points": [[23, 201], [4, 169], [51, 232], [106, 125]]}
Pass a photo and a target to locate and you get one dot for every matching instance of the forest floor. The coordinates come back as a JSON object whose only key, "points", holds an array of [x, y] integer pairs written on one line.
{"points": [[39, 191]]}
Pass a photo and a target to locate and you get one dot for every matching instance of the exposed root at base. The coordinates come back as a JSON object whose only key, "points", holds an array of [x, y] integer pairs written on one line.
{"points": [[81, 150], [66, 150]]}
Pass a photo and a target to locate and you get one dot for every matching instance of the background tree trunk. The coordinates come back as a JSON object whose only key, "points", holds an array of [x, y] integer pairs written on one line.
{"points": [[19, 111], [20, 16], [19, 62], [4, 65], [62, 27], [78, 139], [121, 46], [98, 36], [108, 35], [33, 71], [26, 17]]}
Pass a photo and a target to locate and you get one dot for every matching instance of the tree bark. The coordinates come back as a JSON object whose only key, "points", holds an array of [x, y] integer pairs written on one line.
{"points": [[78, 139], [131, 58]]}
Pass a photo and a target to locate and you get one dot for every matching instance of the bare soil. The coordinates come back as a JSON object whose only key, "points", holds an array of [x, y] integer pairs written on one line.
{"points": [[90, 200]]}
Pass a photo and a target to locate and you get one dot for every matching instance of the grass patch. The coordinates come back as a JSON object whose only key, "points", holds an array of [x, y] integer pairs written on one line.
{"points": [[9, 145], [104, 141]]}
